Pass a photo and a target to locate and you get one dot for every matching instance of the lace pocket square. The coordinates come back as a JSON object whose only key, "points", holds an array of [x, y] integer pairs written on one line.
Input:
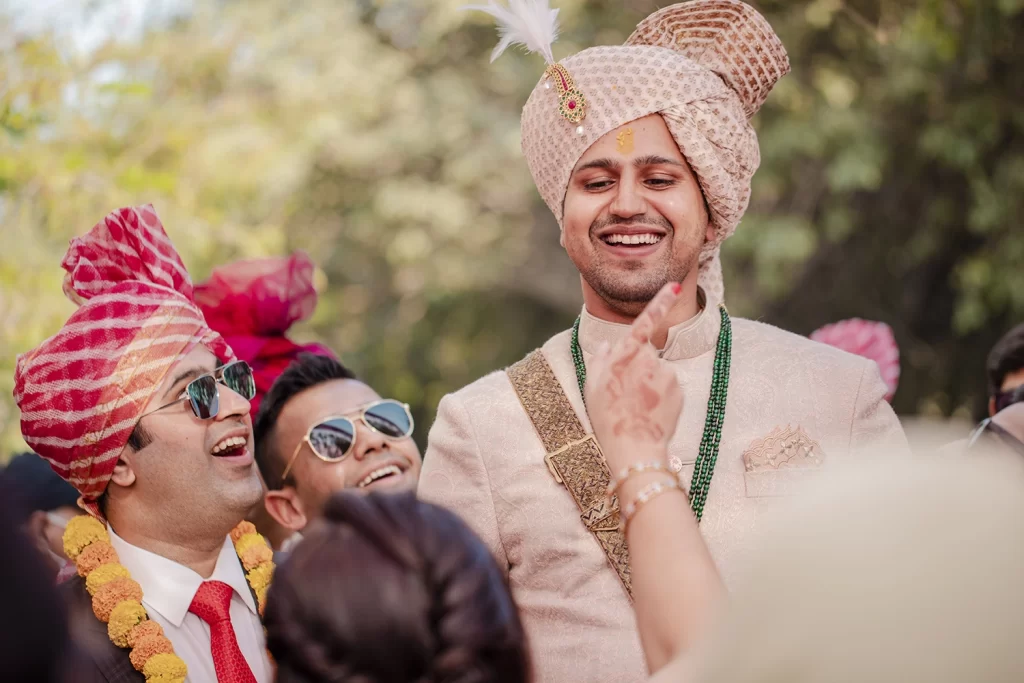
{"points": [[781, 462]]}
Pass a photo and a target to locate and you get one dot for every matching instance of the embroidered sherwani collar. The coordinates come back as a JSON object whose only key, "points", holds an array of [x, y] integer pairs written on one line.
{"points": [[688, 339]]}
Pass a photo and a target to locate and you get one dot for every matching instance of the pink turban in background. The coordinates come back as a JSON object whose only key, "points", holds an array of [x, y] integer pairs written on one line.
{"points": [[872, 340], [706, 66], [82, 391], [253, 303]]}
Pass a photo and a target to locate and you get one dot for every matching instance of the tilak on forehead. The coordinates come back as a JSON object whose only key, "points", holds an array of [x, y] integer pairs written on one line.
{"points": [[705, 66], [82, 391]]}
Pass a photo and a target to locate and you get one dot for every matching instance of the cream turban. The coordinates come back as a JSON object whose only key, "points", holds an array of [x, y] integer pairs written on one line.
{"points": [[706, 66]]}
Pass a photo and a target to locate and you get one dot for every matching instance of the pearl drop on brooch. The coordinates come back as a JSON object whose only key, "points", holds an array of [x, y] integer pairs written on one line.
{"points": [[547, 84], [580, 130]]}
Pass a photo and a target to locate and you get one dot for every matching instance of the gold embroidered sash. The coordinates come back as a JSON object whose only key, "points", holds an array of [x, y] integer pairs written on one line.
{"points": [[573, 456]]}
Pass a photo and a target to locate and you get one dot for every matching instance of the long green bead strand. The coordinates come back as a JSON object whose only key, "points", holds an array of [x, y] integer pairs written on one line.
{"points": [[707, 454]]}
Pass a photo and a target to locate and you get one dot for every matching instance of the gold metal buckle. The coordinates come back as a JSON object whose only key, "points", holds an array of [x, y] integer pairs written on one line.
{"points": [[572, 444]]}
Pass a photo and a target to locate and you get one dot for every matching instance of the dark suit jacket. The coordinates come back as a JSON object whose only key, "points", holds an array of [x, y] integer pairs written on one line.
{"points": [[101, 660]]}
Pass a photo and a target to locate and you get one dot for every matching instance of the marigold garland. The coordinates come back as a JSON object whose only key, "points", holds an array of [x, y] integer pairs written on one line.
{"points": [[117, 598]]}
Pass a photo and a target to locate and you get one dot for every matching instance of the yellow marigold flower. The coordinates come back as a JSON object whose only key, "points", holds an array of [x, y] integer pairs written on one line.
{"points": [[80, 532], [96, 554], [165, 667], [166, 679], [256, 555], [125, 616], [105, 574], [143, 630], [148, 647], [249, 541], [242, 529], [113, 592], [259, 578]]}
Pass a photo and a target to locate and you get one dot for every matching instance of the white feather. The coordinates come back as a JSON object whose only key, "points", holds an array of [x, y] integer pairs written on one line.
{"points": [[530, 23]]}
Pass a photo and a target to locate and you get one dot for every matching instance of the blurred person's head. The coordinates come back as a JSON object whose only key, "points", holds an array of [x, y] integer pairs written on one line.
{"points": [[35, 645], [1006, 371], [321, 430], [388, 589], [135, 400], [899, 570], [46, 503], [644, 152]]}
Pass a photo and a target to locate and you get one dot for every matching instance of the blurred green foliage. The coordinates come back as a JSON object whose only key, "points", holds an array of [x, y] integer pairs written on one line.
{"points": [[377, 136]]}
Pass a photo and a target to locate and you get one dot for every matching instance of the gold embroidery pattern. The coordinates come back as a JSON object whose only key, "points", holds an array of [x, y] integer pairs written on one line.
{"points": [[573, 456], [783, 448]]}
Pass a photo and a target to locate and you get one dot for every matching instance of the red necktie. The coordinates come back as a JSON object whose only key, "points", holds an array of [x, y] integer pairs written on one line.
{"points": [[212, 604]]}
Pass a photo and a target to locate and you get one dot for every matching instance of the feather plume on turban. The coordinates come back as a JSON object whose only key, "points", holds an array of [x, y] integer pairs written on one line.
{"points": [[253, 303], [82, 391], [706, 66]]}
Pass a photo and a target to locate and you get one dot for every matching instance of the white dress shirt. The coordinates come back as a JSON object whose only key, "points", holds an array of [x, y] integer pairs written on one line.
{"points": [[167, 592]]}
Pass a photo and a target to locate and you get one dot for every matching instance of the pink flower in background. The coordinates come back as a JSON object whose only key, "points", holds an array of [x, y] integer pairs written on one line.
{"points": [[867, 338]]}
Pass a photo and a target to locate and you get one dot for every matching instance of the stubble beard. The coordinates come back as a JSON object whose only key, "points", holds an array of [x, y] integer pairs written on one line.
{"points": [[628, 287]]}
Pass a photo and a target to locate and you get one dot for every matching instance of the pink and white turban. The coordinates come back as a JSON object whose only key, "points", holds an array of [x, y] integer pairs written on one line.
{"points": [[706, 66], [82, 391]]}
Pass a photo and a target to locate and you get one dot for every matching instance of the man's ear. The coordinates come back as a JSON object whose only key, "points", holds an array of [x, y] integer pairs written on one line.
{"points": [[287, 508], [992, 406], [123, 475]]}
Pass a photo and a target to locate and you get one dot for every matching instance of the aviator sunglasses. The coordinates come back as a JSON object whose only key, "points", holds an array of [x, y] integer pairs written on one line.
{"points": [[204, 396], [332, 438]]}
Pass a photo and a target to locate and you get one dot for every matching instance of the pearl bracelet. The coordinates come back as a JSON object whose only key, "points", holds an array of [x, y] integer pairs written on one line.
{"points": [[636, 468], [647, 494]]}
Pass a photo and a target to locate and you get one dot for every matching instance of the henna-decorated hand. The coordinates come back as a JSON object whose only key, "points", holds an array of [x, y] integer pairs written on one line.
{"points": [[633, 399]]}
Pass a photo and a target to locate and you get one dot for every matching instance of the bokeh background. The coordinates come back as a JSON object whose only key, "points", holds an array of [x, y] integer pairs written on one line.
{"points": [[377, 136]]}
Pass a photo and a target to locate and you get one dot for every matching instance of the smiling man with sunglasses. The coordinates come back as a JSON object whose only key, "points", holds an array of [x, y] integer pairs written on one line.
{"points": [[144, 409], [320, 430]]}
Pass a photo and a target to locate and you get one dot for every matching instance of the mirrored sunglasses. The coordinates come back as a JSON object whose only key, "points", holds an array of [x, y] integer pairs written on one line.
{"points": [[204, 396], [333, 438], [1005, 399]]}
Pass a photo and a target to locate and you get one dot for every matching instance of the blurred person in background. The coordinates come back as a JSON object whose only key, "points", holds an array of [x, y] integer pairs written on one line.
{"points": [[1006, 371], [901, 570], [320, 430], [252, 304], [142, 407], [387, 589], [35, 642], [644, 153], [1001, 433], [47, 503]]}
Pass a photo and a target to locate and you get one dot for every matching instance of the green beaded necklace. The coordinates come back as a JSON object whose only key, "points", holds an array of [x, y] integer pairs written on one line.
{"points": [[704, 467]]}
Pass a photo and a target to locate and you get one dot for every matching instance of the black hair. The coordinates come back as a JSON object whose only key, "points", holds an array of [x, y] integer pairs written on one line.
{"points": [[305, 372], [1005, 357]]}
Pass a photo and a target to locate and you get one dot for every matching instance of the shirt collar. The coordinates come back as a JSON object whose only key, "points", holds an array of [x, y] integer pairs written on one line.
{"points": [[168, 587], [688, 339]]}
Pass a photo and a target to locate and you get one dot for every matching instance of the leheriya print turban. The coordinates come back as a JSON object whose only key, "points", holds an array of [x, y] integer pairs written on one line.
{"points": [[706, 66], [82, 391]]}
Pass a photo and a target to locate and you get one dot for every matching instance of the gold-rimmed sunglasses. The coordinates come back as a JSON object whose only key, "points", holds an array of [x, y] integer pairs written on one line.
{"points": [[333, 438]]}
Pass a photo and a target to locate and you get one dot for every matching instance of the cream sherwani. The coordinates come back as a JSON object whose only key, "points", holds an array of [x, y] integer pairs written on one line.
{"points": [[485, 461]]}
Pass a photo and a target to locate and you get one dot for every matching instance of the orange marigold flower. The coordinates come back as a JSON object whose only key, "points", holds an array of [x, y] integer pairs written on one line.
{"points": [[103, 575], [125, 616], [256, 555], [148, 647], [165, 667], [242, 529], [261, 599], [94, 555], [80, 532], [259, 578], [109, 594], [142, 630]]}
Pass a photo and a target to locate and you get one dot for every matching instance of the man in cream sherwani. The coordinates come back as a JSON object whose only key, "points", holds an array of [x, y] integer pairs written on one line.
{"points": [[644, 152]]}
